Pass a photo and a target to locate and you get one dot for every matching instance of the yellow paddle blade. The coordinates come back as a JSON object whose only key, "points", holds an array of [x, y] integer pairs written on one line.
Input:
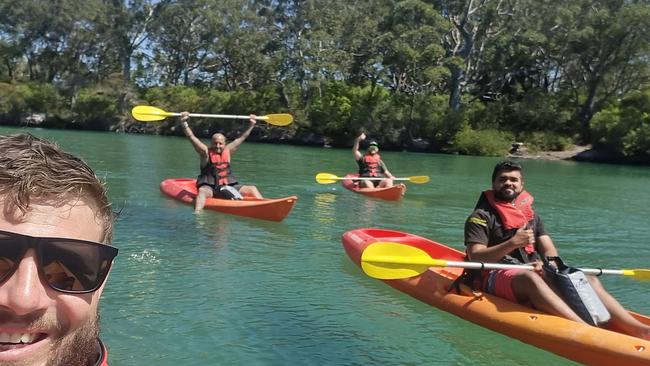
{"points": [[638, 274], [280, 119], [147, 113], [326, 178], [389, 261], [419, 179]]}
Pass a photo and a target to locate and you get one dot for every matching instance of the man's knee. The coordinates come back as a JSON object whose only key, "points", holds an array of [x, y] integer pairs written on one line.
{"points": [[528, 277], [527, 281], [366, 184], [205, 191]]}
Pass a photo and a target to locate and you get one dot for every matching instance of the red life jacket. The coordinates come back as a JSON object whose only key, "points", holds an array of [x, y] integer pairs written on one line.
{"points": [[514, 215], [370, 166], [217, 172]]}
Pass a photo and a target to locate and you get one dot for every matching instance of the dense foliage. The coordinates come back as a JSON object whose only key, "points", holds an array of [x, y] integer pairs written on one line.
{"points": [[464, 76]]}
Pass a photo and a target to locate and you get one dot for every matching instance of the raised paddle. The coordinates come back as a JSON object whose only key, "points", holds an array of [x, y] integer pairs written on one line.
{"points": [[145, 113], [328, 178], [389, 261]]}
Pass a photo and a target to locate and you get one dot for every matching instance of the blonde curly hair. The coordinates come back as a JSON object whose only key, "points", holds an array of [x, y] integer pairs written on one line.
{"points": [[34, 169]]}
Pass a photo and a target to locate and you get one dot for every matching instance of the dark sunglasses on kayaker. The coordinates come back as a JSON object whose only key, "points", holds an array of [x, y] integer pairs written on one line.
{"points": [[67, 265]]}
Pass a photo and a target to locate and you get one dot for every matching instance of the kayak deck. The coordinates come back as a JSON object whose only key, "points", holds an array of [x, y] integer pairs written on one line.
{"points": [[579, 342], [184, 190], [393, 193]]}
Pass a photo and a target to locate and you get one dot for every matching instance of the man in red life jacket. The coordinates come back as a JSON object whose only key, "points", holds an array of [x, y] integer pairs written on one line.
{"points": [[504, 227], [371, 165], [56, 224], [216, 178]]}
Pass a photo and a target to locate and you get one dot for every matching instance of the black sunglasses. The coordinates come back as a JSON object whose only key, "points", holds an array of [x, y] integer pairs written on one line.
{"points": [[67, 265]]}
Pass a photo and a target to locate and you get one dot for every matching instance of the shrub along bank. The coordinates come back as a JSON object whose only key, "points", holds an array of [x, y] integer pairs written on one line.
{"points": [[621, 129]]}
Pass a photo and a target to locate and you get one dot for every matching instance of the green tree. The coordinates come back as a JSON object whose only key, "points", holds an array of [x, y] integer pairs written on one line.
{"points": [[473, 26], [624, 128], [126, 26], [603, 52]]}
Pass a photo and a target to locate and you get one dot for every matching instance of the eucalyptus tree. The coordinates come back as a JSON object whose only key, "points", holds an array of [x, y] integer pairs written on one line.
{"points": [[324, 50], [127, 27], [361, 36], [240, 56], [413, 63], [10, 58], [412, 50], [56, 39], [602, 53], [217, 43], [474, 26], [180, 38], [311, 40], [512, 71]]}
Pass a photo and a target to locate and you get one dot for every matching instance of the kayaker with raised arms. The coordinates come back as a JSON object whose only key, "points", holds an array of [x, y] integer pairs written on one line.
{"points": [[216, 178], [504, 227], [371, 165]]}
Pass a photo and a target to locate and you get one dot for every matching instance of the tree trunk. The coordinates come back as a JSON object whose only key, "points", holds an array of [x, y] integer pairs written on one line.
{"points": [[587, 111], [454, 86], [126, 81], [10, 70]]}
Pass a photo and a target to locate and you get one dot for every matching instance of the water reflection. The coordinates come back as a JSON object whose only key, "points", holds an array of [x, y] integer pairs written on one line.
{"points": [[370, 206], [216, 228], [324, 214], [324, 207]]}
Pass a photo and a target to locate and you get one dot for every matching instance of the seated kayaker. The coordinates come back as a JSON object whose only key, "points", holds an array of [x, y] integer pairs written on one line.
{"points": [[216, 178], [504, 228], [371, 165]]}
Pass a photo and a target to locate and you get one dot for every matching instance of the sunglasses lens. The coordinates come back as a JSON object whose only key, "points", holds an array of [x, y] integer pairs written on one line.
{"points": [[11, 253], [73, 266]]}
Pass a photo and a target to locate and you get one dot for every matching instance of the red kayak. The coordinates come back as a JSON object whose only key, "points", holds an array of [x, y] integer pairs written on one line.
{"points": [[393, 193], [184, 190], [576, 341]]}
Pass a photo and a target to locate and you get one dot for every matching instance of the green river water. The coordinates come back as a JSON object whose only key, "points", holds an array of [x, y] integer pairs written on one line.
{"points": [[213, 289]]}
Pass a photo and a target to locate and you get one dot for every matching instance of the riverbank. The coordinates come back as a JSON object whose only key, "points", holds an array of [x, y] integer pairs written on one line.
{"points": [[581, 153], [574, 152]]}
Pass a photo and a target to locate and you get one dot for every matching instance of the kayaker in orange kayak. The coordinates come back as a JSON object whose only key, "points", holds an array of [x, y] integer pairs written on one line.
{"points": [[504, 227], [371, 165], [216, 178]]}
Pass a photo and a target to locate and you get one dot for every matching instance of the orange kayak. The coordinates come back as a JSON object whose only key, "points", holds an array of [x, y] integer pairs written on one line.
{"points": [[184, 190], [393, 193], [579, 342]]}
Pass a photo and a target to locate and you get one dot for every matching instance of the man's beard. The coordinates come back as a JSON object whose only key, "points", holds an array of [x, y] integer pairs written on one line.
{"points": [[79, 348], [503, 196]]}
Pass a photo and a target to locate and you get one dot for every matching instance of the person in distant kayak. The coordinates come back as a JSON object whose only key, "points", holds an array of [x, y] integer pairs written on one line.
{"points": [[56, 224], [371, 165], [504, 228], [216, 178]]}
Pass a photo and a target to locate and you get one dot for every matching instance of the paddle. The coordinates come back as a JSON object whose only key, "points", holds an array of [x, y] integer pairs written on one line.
{"points": [[327, 178], [145, 113], [388, 261]]}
